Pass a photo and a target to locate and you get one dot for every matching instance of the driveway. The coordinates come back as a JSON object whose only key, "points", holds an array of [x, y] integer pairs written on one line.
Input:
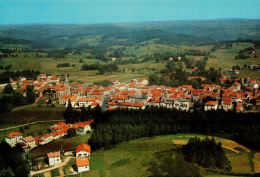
{"points": [[67, 159]]}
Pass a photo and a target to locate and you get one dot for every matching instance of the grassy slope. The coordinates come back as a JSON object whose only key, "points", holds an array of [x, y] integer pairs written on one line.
{"points": [[30, 113], [133, 158], [225, 58]]}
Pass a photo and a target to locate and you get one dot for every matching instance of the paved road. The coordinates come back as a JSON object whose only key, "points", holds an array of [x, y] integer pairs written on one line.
{"points": [[43, 121], [67, 159]]}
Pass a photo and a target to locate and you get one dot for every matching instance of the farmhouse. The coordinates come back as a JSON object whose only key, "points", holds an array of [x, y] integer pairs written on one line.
{"points": [[13, 138], [82, 164], [83, 150], [54, 158]]}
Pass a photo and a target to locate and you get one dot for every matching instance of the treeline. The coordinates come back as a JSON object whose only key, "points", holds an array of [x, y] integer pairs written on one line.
{"points": [[13, 162], [207, 153], [86, 67], [6, 67], [29, 74], [63, 65], [11, 99], [121, 125], [106, 68]]}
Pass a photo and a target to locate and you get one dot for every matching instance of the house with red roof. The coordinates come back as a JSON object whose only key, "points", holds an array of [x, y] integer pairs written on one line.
{"points": [[46, 138], [13, 138], [82, 164], [29, 142], [54, 158], [83, 150], [227, 104], [211, 105], [82, 127]]}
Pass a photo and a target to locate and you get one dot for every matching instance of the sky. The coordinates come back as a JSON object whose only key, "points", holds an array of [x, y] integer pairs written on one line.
{"points": [[116, 11]]}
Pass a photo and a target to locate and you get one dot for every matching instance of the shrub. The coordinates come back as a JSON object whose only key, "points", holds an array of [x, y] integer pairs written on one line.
{"points": [[55, 172]]}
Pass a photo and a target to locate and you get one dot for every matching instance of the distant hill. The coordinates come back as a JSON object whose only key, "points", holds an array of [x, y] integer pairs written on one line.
{"points": [[175, 32]]}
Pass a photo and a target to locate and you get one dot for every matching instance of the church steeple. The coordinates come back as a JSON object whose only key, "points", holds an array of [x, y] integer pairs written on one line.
{"points": [[67, 85]]}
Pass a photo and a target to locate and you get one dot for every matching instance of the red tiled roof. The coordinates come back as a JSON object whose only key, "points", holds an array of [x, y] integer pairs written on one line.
{"points": [[211, 103], [83, 147], [13, 134], [29, 139], [53, 154], [80, 162]]}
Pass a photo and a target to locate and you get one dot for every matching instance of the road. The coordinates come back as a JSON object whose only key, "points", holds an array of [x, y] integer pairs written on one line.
{"points": [[67, 159], [43, 121]]}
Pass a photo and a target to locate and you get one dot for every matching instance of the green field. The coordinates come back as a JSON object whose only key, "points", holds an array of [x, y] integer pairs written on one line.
{"points": [[49, 65], [134, 158], [31, 113], [221, 58], [225, 58], [34, 129]]}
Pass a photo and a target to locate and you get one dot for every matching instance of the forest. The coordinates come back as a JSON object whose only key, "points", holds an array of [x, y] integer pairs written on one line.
{"points": [[113, 127]]}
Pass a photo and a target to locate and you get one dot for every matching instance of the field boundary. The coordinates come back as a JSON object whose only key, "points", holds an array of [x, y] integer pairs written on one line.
{"points": [[36, 122]]}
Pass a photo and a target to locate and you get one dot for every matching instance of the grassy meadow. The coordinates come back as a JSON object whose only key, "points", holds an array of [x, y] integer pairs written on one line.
{"points": [[134, 158]]}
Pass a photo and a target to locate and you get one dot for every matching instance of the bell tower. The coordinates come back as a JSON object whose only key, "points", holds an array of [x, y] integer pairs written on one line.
{"points": [[67, 85]]}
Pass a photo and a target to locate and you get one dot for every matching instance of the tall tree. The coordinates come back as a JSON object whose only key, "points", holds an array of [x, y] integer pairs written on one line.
{"points": [[8, 89], [30, 95]]}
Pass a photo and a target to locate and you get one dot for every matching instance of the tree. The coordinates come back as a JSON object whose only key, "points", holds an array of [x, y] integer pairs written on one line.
{"points": [[153, 80], [72, 132], [8, 89], [21, 129], [70, 115], [23, 170], [30, 95], [101, 69]]}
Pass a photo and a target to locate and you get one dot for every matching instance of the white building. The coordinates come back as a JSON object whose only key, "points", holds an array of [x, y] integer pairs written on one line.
{"points": [[182, 104], [211, 105], [82, 164], [54, 158], [13, 138]]}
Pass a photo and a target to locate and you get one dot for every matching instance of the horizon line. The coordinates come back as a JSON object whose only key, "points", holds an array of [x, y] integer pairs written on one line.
{"points": [[126, 22]]}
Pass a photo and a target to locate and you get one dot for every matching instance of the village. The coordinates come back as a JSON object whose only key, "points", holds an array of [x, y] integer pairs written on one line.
{"points": [[233, 94], [241, 96]]}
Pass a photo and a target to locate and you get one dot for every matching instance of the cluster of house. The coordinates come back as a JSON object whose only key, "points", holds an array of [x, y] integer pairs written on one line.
{"points": [[82, 154], [136, 94], [58, 130]]}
